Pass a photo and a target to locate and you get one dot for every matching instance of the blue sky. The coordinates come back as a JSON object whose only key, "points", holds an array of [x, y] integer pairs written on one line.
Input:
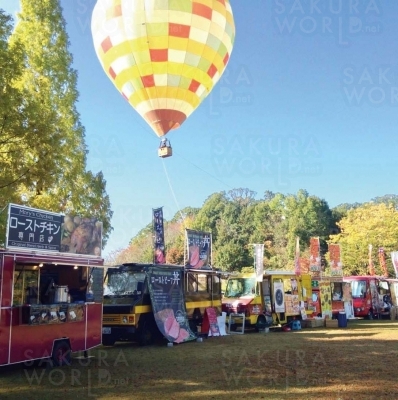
{"points": [[309, 100]]}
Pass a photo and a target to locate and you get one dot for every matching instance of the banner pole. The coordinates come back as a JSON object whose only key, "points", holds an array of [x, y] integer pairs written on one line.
{"points": [[211, 250]]}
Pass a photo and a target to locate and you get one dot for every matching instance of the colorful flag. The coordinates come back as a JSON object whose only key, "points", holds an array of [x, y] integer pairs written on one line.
{"points": [[304, 265], [297, 269], [159, 255], [394, 258], [371, 267], [315, 256], [382, 260], [336, 266]]}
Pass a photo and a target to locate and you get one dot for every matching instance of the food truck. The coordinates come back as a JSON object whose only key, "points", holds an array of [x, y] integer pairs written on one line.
{"points": [[50, 300], [373, 296], [277, 300], [330, 296], [128, 304]]}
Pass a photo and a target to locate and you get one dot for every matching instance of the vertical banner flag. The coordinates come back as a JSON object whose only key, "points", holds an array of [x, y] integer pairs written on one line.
{"points": [[315, 256], [382, 260], [297, 269], [198, 248], [371, 266], [304, 265], [259, 261], [166, 289], [159, 256], [326, 298], [336, 266], [394, 258]]}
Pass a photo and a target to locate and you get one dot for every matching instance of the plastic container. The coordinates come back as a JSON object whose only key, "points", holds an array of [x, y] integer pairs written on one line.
{"points": [[296, 325], [342, 319]]}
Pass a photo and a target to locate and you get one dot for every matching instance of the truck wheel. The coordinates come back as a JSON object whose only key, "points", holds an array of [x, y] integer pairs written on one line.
{"points": [[108, 340], [61, 354]]}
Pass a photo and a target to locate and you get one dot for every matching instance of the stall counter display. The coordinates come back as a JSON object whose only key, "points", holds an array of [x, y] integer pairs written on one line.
{"points": [[52, 314]]}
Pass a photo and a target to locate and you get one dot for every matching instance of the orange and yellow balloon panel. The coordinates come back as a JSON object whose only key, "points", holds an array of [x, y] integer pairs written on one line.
{"points": [[164, 56]]}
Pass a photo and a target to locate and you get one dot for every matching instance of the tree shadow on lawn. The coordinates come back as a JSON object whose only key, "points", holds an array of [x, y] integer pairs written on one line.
{"points": [[354, 362]]}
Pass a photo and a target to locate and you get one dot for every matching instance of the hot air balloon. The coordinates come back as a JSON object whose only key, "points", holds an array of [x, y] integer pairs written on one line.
{"points": [[164, 56]]}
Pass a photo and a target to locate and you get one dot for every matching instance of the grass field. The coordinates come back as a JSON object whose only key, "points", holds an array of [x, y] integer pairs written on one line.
{"points": [[357, 362]]}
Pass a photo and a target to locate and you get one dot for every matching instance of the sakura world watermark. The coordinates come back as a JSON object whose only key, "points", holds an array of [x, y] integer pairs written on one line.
{"points": [[344, 20], [274, 157]]}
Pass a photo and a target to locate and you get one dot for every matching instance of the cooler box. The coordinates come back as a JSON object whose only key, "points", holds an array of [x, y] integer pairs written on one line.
{"points": [[342, 320]]}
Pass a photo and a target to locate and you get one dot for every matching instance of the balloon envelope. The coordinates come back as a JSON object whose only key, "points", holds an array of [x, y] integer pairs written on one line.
{"points": [[164, 56]]}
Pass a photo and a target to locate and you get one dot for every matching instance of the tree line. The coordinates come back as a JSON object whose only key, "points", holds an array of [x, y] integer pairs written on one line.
{"points": [[237, 220], [42, 141]]}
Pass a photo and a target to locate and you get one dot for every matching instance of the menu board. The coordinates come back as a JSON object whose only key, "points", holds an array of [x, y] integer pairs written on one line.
{"points": [[168, 303], [210, 323], [30, 228]]}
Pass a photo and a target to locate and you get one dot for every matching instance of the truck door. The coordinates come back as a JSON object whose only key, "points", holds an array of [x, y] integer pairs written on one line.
{"points": [[6, 287], [266, 296]]}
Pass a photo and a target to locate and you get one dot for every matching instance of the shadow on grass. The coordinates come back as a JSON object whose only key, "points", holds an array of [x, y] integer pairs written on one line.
{"points": [[347, 363]]}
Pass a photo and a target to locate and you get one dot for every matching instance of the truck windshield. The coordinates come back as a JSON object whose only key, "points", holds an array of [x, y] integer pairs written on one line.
{"points": [[124, 283], [358, 289], [237, 287]]}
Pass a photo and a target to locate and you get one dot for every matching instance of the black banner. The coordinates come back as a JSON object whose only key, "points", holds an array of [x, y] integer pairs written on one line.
{"points": [[168, 303], [159, 256], [199, 249], [30, 228]]}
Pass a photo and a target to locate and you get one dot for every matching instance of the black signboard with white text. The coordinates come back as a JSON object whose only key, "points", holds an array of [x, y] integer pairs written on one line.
{"points": [[168, 303], [29, 228], [198, 248], [158, 235]]}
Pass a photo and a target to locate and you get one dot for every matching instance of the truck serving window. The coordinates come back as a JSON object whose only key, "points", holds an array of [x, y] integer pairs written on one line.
{"points": [[26, 285], [198, 282], [337, 290], [358, 289], [237, 287]]}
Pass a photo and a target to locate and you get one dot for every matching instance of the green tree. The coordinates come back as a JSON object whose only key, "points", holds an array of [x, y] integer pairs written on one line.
{"points": [[340, 212], [388, 199], [279, 219], [13, 134], [232, 249], [210, 213], [50, 160], [271, 229], [375, 224], [308, 216]]}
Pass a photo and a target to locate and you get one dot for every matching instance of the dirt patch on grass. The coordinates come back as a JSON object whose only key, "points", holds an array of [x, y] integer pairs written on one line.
{"points": [[357, 362]]}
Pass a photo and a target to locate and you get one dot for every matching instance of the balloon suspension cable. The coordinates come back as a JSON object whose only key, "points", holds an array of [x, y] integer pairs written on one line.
{"points": [[174, 196]]}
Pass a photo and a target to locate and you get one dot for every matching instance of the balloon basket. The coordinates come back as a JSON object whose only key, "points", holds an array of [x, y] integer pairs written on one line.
{"points": [[165, 151]]}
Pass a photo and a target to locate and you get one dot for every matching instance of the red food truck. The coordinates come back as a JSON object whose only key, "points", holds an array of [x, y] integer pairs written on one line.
{"points": [[372, 295], [50, 300]]}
